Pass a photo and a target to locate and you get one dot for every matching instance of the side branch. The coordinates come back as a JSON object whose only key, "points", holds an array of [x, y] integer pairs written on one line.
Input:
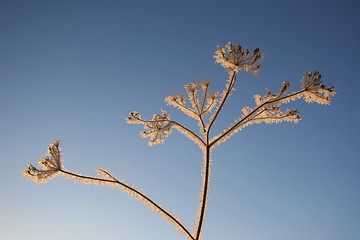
{"points": [[159, 124], [210, 106], [246, 118], [51, 166], [190, 134], [182, 107], [204, 99], [132, 192], [223, 100]]}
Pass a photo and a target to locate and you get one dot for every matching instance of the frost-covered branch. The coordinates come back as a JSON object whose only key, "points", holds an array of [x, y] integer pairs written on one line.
{"points": [[51, 166], [268, 106], [234, 58], [179, 101], [268, 116], [160, 127], [200, 107], [224, 96]]}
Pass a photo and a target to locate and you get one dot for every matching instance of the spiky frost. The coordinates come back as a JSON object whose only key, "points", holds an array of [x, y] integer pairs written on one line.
{"points": [[52, 166], [235, 58], [49, 166]]}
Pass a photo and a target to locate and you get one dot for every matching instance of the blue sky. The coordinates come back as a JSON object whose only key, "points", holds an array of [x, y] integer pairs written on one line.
{"points": [[73, 70]]}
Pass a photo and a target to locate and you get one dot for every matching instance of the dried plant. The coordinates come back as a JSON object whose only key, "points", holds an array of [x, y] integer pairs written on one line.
{"points": [[205, 107]]}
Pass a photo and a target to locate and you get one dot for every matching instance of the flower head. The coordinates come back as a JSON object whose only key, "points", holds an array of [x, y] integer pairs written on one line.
{"points": [[235, 58], [49, 166]]}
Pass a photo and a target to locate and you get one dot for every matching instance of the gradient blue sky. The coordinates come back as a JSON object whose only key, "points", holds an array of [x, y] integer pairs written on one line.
{"points": [[73, 70]]}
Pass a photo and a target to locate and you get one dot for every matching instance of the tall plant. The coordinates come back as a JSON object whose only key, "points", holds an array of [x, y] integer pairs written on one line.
{"points": [[205, 107]]}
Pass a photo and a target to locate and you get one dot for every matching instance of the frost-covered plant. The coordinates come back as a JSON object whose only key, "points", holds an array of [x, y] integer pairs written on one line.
{"points": [[205, 107]]}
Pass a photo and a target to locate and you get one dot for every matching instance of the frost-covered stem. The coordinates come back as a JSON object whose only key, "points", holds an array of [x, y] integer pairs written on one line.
{"points": [[188, 109], [204, 100], [189, 131], [212, 102], [198, 113], [228, 91], [196, 102], [132, 190], [206, 176], [252, 112], [179, 125], [202, 123], [288, 96]]}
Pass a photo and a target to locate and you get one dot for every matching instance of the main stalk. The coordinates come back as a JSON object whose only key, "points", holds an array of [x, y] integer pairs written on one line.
{"points": [[206, 176]]}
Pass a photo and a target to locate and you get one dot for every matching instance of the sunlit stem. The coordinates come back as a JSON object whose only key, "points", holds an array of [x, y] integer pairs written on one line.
{"points": [[187, 109], [252, 113], [198, 111], [203, 200], [179, 125], [204, 99], [202, 123], [228, 91], [208, 107], [115, 181], [205, 187], [196, 103]]}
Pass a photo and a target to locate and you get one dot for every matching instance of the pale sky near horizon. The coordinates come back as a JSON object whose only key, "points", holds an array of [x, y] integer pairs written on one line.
{"points": [[73, 70]]}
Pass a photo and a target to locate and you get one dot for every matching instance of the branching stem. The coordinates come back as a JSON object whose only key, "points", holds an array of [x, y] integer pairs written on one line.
{"points": [[204, 193], [228, 91], [233, 59], [205, 187], [179, 125], [251, 113], [187, 109]]}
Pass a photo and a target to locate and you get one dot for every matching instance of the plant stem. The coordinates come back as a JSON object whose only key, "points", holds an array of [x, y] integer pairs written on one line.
{"points": [[202, 207], [206, 176], [252, 112], [153, 204], [227, 93]]}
